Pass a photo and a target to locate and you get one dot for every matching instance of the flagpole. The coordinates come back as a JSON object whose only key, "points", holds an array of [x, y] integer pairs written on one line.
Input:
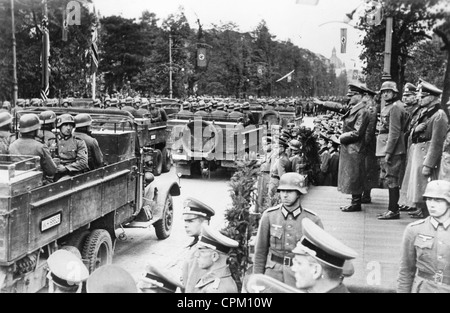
{"points": [[94, 82], [15, 85], [45, 51]]}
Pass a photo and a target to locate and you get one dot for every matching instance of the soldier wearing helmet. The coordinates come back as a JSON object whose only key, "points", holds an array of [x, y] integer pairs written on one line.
{"points": [[72, 150], [83, 124], [48, 123], [6, 137], [6, 107], [425, 261], [279, 230], [391, 147], [29, 125]]}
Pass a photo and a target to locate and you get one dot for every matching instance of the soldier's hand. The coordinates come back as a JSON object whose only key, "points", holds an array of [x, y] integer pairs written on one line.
{"points": [[426, 171], [62, 169], [420, 128]]}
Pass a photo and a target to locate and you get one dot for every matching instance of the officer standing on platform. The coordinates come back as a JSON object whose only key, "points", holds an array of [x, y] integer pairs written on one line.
{"points": [[280, 165], [352, 158], [195, 214], [72, 151], [158, 280], [211, 256], [391, 148], [425, 261], [83, 124], [320, 260], [67, 271], [279, 230], [427, 137]]}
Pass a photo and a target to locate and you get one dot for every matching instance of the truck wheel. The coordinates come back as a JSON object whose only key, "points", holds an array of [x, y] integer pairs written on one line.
{"points": [[163, 227], [78, 239], [166, 161], [97, 250], [158, 162]]}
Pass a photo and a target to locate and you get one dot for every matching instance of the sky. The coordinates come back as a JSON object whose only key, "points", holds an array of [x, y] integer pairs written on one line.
{"points": [[313, 27]]}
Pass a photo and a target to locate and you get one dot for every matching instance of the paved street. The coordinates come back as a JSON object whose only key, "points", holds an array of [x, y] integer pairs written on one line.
{"points": [[142, 245]]}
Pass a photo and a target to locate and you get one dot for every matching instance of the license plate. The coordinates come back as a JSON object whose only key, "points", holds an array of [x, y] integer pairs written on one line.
{"points": [[51, 222]]}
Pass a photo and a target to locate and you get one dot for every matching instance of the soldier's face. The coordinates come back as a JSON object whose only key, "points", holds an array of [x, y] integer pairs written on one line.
{"points": [[289, 197], [193, 227], [304, 272], [66, 129], [387, 95], [205, 257], [437, 207]]}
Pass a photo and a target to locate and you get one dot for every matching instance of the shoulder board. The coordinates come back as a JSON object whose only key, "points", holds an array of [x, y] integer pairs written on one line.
{"points": [[273, 208], [78, 138], [311, 212], [417, 222]]}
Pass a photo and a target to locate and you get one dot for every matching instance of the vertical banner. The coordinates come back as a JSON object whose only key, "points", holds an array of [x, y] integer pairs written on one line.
{"points": [[44, 59], [201, 57], [343, 40], [94, 49]]}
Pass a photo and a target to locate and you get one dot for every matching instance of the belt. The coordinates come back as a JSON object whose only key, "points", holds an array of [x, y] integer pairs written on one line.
{"points": [[438, 278], [282, 260], [275, 176]]}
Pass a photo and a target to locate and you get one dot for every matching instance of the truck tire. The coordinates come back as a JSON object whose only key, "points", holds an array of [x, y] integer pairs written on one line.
{"points": [[163, 227], [97, 249], [166, 160], [158, 162], [77, 239]]}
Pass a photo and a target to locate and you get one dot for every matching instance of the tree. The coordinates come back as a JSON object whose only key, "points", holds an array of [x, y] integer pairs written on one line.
{"points": [[413, 20], [443, 32]]}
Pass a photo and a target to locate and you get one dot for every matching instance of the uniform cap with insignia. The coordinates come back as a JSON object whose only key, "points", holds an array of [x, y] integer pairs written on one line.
{"points": [[47, 117], [66, 268], [293, 181], [156, 276], [65, 119], [368, 91], [438, 189], [409, 89], [213, 239], [111, 279], [83, 120], [5, 119], [322, 246], [193, 208], [260, 283], [427, 89], [354, 90]]}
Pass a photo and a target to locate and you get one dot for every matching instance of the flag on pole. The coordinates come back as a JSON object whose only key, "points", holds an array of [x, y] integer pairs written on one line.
{"points": [[288, 76], [343, 40], [94, 49], [307, 2], [201, 57], [44, 59]]}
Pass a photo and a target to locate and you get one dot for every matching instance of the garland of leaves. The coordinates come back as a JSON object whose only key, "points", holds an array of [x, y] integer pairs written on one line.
{"points": [[240, 223]]}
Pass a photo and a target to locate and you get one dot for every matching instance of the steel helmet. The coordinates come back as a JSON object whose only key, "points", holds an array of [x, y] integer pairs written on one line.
{"points": [[83, 120], [65, 119], [5, 119], [438, 189], [389, 85], [29, 123], [47, 117], [35, 102], [293, 181]]}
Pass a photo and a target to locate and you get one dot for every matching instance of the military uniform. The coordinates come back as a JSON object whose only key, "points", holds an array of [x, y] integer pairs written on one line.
{"points": [[158, 280], [425, 262], [72, 152], [278, 233], [217, 278], [29, 146], [95, 155], [6, 138]]}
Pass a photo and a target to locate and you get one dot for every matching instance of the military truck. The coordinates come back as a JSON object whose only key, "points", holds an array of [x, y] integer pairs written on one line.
{"points": [[85, 211]]}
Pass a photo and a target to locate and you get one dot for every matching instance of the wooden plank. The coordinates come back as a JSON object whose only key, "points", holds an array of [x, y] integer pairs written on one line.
{"points": [[378, 243]]}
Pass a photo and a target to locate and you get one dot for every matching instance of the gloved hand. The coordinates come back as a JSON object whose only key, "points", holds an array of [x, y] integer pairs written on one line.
{"points": [[426, 171]]}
